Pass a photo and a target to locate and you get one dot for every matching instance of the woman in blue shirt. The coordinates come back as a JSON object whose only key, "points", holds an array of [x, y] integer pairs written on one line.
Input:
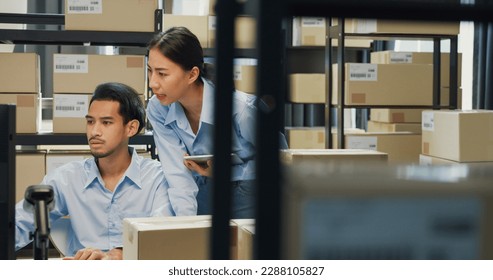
{"points": [[181, 114]]}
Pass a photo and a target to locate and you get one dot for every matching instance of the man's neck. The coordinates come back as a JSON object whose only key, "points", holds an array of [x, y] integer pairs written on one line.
{"points": [[113, 167]]}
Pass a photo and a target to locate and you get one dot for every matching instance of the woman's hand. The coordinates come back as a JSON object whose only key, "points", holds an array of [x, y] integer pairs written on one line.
{"points": [[202, 169]]}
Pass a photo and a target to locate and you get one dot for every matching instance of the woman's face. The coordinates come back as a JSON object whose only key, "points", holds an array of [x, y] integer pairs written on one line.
{"points": [[168, 81]]}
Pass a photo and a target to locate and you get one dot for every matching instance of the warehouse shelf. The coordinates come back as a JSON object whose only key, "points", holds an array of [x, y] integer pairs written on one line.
{"points": [[338, 32]]}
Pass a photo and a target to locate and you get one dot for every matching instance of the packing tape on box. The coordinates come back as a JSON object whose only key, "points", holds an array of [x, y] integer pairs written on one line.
{"points": [[426, 148], [358, 98], [398, 117], [135, 62]]}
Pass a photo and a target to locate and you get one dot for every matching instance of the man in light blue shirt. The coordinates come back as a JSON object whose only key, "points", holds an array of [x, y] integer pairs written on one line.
{"points": [[98, 193]]}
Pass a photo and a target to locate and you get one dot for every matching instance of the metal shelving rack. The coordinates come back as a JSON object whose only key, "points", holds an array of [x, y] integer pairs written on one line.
{"points": [[337, 32], [267, 232], [66, 37]]}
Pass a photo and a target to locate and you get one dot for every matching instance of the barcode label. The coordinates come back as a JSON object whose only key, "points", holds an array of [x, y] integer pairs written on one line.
{"points": [[363, 72], [70, 105], [85, 7], [312, 22], [401, 57], [237, 73], [427, 121], [70, 63], [362, 142]]}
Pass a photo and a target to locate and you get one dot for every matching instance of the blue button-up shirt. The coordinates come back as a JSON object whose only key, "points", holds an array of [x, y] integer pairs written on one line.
{"points": [[96, 214], [174, 137]]}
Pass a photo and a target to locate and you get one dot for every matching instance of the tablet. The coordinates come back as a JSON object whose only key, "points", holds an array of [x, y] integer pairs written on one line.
{"points": [[202, 159]]}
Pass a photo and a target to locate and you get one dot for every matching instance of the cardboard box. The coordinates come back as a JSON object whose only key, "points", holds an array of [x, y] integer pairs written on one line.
{"points": [[396, 115], [19, 73], [387, 212], [82, 73], [245, 32], [245, 73], [110, 15], [311, 31], [193, 7], [70, 110], [386, 84], [392, 57], [374, 126], [29, 170], [430, 160], [405, 27], [243, 230], [307, 88], [28, 112], [299, 156], [198, 25], [401, 147], [462, 136], [167, 238], [311, 137]]}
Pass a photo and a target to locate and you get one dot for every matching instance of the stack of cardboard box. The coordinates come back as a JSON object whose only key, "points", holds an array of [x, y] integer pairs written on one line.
{"points": [[20, 85], [75, 77]]}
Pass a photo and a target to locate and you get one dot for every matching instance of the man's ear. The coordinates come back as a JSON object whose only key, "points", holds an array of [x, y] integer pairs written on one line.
{"points": [[132, 128], [193, 75]]}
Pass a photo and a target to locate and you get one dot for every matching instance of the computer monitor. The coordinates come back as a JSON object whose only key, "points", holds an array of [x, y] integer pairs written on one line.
{"points": [[7, 182]]}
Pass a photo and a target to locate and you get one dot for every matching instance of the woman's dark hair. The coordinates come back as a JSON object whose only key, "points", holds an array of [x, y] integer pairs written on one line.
{"points": [[131, 107], [183, 48]]}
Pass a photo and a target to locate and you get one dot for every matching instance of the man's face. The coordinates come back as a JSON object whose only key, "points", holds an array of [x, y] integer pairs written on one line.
{"points": [[105, 130]]}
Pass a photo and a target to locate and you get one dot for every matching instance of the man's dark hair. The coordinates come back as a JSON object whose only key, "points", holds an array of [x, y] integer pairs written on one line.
{"points": [[131, 107]]}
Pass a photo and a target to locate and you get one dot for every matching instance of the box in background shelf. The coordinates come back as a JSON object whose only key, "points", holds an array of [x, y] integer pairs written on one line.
{"points": [[405, 27], [401, 147], [29, 170], [311, 137], [245, 71], [374, 126], [386, 84], [192, 7], [392, 57], [245, 32], [82, 73], [311, 31], [462, 136], [307, 88], [110, 15], [198, 25], [19, 73], [28, 110], [298, 156], [70, 110]]}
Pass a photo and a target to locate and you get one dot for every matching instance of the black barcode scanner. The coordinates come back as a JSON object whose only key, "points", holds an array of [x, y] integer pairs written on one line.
{"points": [[40, 200]]}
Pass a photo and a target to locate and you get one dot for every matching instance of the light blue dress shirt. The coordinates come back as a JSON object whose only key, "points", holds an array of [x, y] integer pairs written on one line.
{"points": [[96, 214], [174, 137]]}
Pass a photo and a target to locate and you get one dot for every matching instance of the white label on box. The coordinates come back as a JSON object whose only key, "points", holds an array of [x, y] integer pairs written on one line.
{"points": [[237, 73], [362, 142], [401, 57], [85, 6], [53, 162], [70, 63], [427, 122], [313, 22], [245, 61], [70, 105], [212, 22], [366, 25], [190, 7], [363, 72]]}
